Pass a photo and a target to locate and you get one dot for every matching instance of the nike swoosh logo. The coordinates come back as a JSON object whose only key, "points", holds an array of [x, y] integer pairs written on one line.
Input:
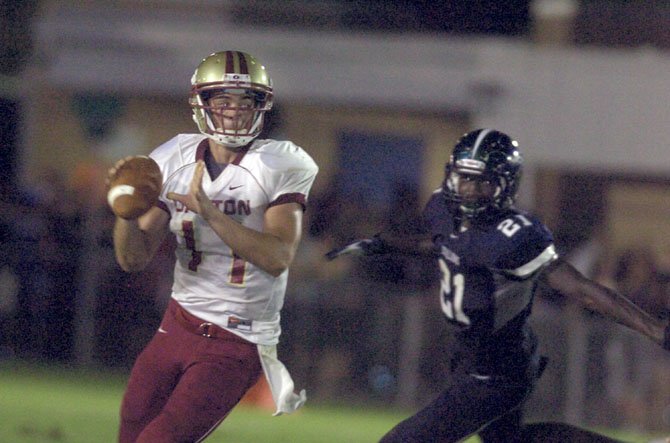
{"points": [[232, 188], [161, 330]]}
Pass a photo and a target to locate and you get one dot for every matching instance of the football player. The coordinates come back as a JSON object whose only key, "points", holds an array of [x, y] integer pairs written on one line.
{"points": [[235, 204], [492, 257]]}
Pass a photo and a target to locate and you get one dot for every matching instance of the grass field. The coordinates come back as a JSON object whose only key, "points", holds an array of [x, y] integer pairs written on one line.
{"points": [[45, 405]]}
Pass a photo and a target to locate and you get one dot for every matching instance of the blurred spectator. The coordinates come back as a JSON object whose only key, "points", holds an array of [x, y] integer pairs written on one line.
{"points": [[39, 227], [388, 279], [661, 302], [635, 375], [402, 219], [59, 249], [323, 312], [636, 273], [126, 313], [634, 268]]}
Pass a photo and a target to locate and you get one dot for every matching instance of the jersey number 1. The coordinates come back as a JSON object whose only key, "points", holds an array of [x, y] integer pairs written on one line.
{"points": [[237, 269]]}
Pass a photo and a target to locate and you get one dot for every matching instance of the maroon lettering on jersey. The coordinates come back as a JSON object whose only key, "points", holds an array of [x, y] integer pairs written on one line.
{"points": [[233, 206], [243, 207]]}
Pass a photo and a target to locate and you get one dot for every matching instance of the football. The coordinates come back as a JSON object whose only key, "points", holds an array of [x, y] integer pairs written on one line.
{"points": [[134, 187]]}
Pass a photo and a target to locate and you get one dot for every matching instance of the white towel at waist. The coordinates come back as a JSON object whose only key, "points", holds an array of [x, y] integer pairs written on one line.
{"points": [[280, 381]]}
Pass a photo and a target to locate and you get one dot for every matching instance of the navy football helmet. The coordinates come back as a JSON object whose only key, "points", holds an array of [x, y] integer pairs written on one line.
{"points": [[492, 156]]}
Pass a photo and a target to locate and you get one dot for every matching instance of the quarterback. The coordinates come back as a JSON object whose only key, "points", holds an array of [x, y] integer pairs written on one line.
{"points": [[234, 202], [492, 257]]}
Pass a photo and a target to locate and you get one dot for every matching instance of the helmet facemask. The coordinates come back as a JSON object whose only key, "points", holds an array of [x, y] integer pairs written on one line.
{"points": [[210, 117], [474, 205]]}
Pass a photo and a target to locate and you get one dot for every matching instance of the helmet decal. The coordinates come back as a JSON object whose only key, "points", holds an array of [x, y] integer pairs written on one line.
{"points": [[480, 138], [241, 58]]}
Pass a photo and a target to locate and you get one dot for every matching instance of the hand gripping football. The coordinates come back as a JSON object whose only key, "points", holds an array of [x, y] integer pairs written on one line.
{"points": [[134, 187]]}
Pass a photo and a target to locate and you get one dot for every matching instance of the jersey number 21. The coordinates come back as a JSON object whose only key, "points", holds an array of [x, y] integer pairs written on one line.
{"points": [[451, 289]]}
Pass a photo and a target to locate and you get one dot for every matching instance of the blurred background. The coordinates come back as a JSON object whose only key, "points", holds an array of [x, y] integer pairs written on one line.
{"points": [[377, 92]]}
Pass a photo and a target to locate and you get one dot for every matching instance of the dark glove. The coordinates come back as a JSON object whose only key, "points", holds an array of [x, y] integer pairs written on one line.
{"points": [[666, 338], [364, 247]]}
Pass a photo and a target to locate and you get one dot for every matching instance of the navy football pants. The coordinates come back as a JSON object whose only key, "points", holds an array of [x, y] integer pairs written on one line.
{"points": [[463, 408]]}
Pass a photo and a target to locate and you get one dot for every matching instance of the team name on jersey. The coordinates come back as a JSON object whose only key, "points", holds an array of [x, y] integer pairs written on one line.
{"points": [[229, 207]]}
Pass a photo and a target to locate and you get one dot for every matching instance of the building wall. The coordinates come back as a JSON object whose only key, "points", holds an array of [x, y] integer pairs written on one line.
{"points": [[569, 106], [57, 138]]}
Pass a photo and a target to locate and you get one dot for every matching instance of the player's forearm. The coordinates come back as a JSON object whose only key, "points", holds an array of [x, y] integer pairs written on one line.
{"points": [[264, 250], [131, 245], [598, 298], [624, 311], [408, 244]]}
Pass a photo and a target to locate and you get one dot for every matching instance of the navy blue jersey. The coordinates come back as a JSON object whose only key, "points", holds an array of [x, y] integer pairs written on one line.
{"points": [[489, 275]]}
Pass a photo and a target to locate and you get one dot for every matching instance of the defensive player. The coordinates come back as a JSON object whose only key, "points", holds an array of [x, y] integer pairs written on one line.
{"points": [[492, 256], [235, 204]]}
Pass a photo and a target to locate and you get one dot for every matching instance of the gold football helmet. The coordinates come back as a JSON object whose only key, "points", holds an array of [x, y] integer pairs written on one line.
{"points": [[236, 72]]}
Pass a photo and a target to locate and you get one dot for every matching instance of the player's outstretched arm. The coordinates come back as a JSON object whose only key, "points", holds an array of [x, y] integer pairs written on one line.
{"points": [[365, 246], [385, 243], [561, 276]]}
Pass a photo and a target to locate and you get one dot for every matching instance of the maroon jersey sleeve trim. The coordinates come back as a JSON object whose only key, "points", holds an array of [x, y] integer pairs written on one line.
{"points": [[294, 197], [201, 149], [164, 207]]}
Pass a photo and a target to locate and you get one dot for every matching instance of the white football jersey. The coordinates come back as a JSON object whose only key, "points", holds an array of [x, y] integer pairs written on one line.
{"points": [[210, 281]]}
